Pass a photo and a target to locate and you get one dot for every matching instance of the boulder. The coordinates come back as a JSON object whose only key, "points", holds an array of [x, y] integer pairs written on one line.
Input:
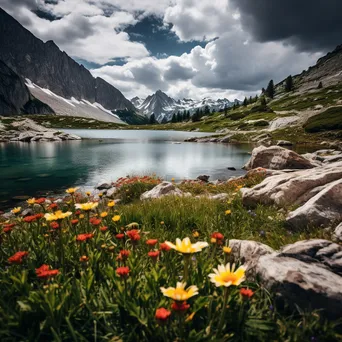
{"points": [[284, 143], [277, 158], [322, 209], [307, 273], [103, 186], [203, 178], [226, 139], [222, 196], [161, 190], [111, 192], [26, 136]]}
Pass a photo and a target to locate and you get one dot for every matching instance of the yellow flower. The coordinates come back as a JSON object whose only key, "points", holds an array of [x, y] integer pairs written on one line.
{"points": [[162, 222], [226, 276], [213, 240], [81, 216], [16, 210], [228, 212], [104, 214], [195, 234], [186, 247], [31, 201], [88, 193], [86, 206], [110, 204], [172, 179], [57, 215], [227, 250], [71, 190], [116, 218], [239, 187], [180, 293], [100, 194]]}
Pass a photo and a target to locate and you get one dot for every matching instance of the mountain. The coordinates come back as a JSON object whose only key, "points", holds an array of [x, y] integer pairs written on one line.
{"points": [[15, 97], [45, 65], [163, 106]]}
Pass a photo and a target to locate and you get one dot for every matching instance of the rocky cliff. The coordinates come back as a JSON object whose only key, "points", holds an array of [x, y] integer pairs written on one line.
{"points": [[15, 97], [48, 67]]}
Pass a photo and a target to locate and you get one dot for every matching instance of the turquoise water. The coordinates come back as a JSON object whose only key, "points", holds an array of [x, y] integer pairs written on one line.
{"points": [[39, 169]]}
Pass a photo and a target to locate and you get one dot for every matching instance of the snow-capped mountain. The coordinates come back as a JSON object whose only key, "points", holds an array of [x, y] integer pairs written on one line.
{"points": [[163, 106]]}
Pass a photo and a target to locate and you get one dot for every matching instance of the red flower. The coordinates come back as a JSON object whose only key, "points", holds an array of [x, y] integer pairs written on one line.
{"points": [[162, 314], [17, 258], [133, 234], [42, 268], [124, 253], [84, 258], [153, 254], [219, 237], [103, 229], [7, 229], [120, 236], [151, 242], [40, 200], [9, 225], [78, 212], [84, 237], [54, 225], [180, 306], [122, 271], [44, 272], [53, 206], [39, 216], [30, 218], [73, 222], [164, 247], [95, 221], [246, 293]]}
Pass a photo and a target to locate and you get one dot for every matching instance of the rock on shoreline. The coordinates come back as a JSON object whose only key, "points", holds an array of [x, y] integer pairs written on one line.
{"points": [[26, 130]]}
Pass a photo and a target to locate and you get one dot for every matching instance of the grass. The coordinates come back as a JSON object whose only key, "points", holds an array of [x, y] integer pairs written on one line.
{"points": [[329, 120], [88, 301]]}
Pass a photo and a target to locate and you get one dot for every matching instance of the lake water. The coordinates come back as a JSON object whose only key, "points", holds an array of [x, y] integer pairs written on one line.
{"points": [[38, 169]]}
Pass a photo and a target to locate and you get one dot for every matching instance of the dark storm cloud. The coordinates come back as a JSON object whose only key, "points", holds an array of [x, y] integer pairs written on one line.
{"points": [[310, 25]]}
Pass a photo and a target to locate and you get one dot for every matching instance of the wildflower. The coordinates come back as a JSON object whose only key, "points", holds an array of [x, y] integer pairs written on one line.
{"points": [[246, 293], [7, 229], [100, 194], [195, 234], [53, 206], [74, 222], [84, 258], [40, 200], [151, 242], [228, 212], [86, 206], [226, 250], [120, 236], [78, 212], [30, 218], [71, 190], [153, 254], [103, 229], [44, 272], [39, 216], [110, 204], [17, 258], [226, 275], [186, 247], [162, 315], [180, 293], [162, 223], [180, 306], [81, 216], [122, 271], [16, 210], [262, 233], [116, 218], [84, 237], [95, 221], [88, 193], [104, 214], [213, 240], [57, 215], [133, 234], [124, 253], [164, 247], [31, 201], [54, 225], [218, 238]]}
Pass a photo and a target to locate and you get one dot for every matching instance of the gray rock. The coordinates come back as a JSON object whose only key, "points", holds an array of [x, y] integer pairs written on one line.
{"points": [[203, 178], [277, 158], [284, 143], [111, 192], [26, 136], [337, 236], [226, 139], [220, 197], [103, 186], [161, 190]]}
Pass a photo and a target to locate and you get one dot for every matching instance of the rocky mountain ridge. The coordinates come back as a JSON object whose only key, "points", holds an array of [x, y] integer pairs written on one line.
{"points": [[50, 68]]}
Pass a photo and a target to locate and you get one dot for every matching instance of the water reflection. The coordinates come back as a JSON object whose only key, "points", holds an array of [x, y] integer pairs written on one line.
{"points": [[37, 168]]}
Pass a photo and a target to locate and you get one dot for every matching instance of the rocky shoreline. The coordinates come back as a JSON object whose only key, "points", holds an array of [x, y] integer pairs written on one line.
{"points": [[26, 130]]}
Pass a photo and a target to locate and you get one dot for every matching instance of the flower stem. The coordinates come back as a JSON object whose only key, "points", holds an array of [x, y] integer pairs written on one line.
{"points": [[225, 299], [186, 267]]}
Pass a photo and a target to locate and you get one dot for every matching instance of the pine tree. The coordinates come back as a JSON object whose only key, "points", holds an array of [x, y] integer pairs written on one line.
{"points": [[256, 98], [206, 110], [270, 89], [188, 115], [320, 85], [234, 106], [289, 84], [225, 110], [179, 116], [263, 101], [174, 118], [196, 115], [153, 119], [245, 102], [184, 115], [250, 100]]}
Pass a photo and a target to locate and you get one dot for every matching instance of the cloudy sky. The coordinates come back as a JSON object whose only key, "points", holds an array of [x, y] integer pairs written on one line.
{"points": [[187, 48]]}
